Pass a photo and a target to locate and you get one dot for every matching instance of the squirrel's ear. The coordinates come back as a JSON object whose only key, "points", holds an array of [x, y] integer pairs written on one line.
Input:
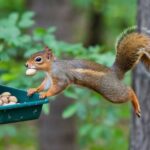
{"points": [[49, 53], [46, 48]]}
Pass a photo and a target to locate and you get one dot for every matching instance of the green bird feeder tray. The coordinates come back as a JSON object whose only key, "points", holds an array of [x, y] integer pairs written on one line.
{"points": [[27, 108]]}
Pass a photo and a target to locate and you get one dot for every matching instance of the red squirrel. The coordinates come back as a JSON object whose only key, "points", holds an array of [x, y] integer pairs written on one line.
{"points": [[131, 48]]}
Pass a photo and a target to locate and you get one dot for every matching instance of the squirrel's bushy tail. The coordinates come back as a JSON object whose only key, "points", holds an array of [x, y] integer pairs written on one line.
{"points": [[131, 48]]}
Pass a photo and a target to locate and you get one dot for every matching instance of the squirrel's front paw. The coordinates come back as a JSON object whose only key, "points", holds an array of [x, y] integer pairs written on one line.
{"points": [[43, 95], [31, 91]]}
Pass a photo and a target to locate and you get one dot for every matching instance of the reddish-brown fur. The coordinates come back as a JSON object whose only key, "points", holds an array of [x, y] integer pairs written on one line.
{"points": [[131, 49], [106, 81]]}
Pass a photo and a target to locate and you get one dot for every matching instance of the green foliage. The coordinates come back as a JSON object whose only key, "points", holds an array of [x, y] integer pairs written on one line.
{"points": [[100, 123], [26, 21], [97, 5], [7, 131], [7, 6], [70, 111], [15, 137]]}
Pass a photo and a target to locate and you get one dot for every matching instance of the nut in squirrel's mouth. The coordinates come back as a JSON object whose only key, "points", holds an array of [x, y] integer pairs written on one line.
{"points": [[31, 71]]}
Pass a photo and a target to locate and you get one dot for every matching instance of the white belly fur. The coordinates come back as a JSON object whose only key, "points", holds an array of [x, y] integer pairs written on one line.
{"points": [[48, 82]]}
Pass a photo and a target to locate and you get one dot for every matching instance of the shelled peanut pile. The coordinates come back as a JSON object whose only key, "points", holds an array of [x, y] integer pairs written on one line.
{"points": [[7, 99]]}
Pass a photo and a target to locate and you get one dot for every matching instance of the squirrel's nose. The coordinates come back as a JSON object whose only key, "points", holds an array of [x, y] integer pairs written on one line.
{"points": [[26, 65]]}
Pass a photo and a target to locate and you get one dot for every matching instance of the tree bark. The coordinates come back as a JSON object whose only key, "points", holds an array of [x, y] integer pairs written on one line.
{"points": [[56, 133], [140, 128]]}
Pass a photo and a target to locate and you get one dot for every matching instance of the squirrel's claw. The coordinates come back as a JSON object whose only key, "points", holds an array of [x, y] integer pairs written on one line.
{"points": [[138, 113], [43, 95], [31, 91]]}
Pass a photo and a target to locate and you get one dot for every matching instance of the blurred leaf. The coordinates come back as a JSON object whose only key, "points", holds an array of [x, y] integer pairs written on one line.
{"points": [[85, 129], [69, 111], [70, 94], [46, 109], [26, 20], [7, 131], [51, 30], [13, 18]]}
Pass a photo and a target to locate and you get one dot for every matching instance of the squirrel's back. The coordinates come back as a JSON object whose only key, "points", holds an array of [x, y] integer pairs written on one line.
{"points": [[131, 48]]}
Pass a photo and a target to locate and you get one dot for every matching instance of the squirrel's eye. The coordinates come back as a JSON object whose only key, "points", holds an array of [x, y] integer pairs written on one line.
{"points": [[38, 59]]}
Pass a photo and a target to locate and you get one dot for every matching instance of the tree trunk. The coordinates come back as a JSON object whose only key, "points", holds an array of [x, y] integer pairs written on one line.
{"points": [[140, 129], [56, 133], [95, 29]]}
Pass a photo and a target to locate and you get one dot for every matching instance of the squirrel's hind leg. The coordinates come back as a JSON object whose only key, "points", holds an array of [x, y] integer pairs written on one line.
{"points": [[135, 102]]}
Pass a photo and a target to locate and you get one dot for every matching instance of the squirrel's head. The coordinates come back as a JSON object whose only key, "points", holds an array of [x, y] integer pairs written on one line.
{"points": [[40, 61]]}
